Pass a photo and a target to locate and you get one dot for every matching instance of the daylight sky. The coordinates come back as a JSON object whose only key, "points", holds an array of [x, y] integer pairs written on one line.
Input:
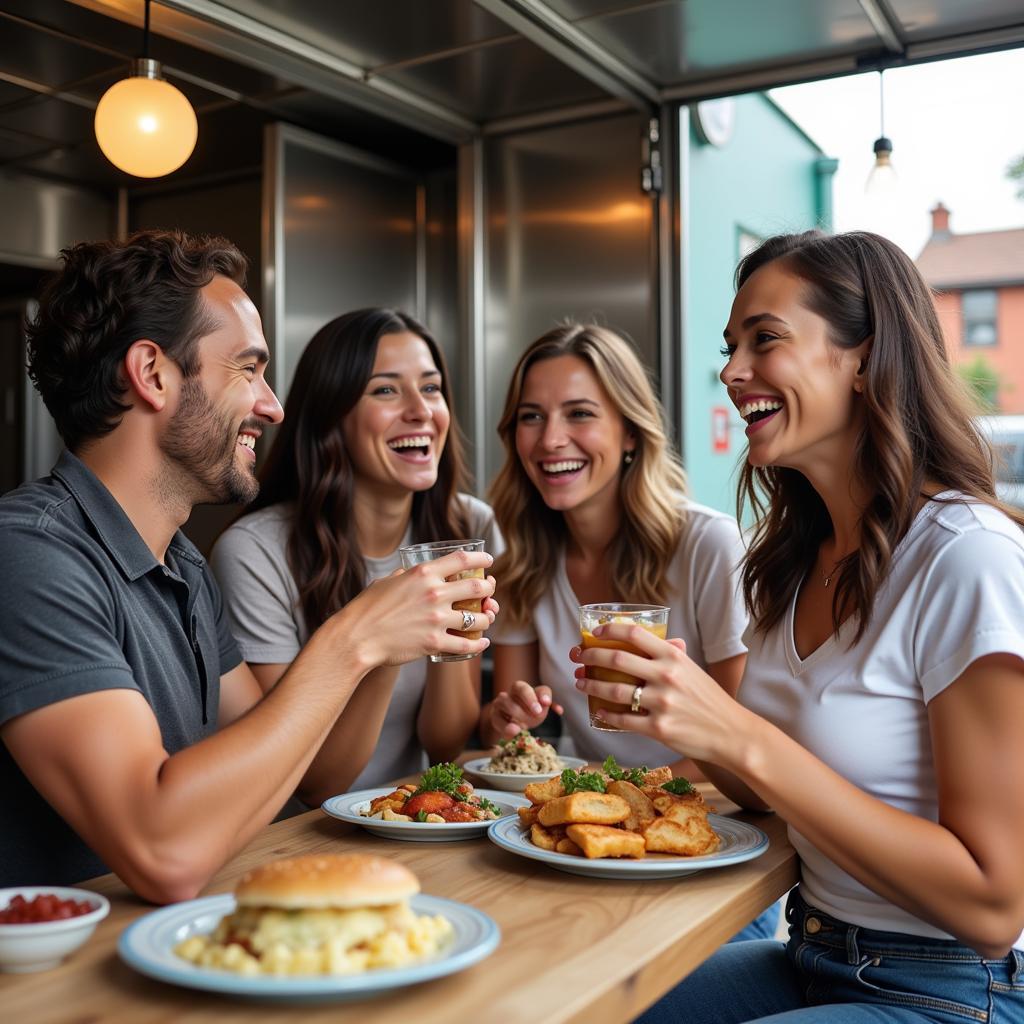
{"points": [[954, 124]]}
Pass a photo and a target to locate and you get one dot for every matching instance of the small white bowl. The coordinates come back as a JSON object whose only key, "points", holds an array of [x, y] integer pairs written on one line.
{"points": [[38, 947], [511, 782]]}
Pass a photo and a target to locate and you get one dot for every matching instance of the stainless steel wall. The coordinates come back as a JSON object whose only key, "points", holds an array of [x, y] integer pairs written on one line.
{"points": [[41, 217], [343, 230], [569, 234]]}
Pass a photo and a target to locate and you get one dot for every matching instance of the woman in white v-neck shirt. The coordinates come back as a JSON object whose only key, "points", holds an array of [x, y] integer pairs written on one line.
{"points": [[880, 712]]}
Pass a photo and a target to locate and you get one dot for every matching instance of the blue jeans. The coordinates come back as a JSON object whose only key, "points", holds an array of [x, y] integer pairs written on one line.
{"points": [[762, 927], [834, 973]]}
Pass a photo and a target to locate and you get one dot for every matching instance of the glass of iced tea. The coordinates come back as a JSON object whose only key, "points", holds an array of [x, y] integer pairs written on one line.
{"points": [[651, 616], [414, 554]]}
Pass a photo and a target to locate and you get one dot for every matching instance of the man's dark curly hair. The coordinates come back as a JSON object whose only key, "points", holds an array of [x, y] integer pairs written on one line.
{"points": [[107, 296]]}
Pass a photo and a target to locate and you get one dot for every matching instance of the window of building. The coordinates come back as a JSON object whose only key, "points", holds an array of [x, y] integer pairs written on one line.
{"points": [[979, 309]]}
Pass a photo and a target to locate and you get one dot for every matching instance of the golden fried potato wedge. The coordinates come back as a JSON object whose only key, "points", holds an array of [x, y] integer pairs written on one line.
{"points": [[541, 792], [390, 815], [566, 845], [542, 838], [693, 838], [641, 809], [527, 815], [601, 841], [584, 808], [680, 808]]}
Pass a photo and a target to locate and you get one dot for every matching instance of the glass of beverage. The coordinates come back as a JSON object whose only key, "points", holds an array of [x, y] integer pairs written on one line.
{"points": [[651, 616], [414, 554]]}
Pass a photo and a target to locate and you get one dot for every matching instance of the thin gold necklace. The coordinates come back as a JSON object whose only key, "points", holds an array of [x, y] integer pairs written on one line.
{"points": [[828, 577]]}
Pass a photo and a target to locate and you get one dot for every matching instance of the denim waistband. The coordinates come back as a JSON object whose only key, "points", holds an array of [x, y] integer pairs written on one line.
{"points": [[809, 924]]}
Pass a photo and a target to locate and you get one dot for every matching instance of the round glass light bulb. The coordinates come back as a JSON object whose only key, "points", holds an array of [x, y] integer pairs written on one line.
{"points": [[145, 126]]}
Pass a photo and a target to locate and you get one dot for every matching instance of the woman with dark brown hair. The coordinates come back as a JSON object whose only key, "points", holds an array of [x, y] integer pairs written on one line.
{"points": [[881, 706], [368, 459]]}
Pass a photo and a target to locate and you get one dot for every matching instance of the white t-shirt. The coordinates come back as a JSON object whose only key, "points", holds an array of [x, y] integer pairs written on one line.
{"points": [[262, 598], [954, 593], [706, 611]]}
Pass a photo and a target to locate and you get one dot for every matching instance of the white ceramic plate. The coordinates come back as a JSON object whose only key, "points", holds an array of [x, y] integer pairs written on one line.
{"points": [[740, 842], [148, 946], [347, 807], [509, 782]]}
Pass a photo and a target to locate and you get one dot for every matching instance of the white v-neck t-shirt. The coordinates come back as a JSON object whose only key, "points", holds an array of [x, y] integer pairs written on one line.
{"points": [[707, 611], [954, 593]]}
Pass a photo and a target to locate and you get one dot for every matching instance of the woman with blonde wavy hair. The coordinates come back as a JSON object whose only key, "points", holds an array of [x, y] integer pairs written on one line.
{"points": [[591, 502]]}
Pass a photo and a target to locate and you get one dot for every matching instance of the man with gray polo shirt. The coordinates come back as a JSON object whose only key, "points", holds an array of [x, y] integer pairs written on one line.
{"points": [[134, 738]]}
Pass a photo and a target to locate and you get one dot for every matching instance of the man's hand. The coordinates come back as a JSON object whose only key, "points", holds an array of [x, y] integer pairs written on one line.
{"points": [[408, 615]]}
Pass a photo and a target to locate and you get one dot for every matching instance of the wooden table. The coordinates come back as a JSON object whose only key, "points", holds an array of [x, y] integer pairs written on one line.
{"points": [[572, 948]]}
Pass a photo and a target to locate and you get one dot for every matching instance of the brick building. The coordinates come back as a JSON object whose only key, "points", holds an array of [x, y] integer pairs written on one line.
{"points": [[979, 281]]}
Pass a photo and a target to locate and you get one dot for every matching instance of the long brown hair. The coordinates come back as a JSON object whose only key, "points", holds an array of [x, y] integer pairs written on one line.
{"points": [[309, 464], [651, 486], [918, 424]]}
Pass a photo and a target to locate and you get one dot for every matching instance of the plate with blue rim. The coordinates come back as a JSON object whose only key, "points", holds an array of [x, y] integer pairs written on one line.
{"points": [[350, 807], [148, 947], [739, 842]]}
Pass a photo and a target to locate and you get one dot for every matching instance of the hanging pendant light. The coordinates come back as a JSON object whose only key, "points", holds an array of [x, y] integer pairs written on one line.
{"points": [[882, 180], [144, 125]]}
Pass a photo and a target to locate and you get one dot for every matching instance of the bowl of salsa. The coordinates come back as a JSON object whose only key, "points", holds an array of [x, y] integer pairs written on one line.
{"points": [[41, 924]]}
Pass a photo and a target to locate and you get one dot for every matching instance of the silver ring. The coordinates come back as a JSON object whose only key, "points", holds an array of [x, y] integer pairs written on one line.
{"points": [[634, 704], [468, 621]]}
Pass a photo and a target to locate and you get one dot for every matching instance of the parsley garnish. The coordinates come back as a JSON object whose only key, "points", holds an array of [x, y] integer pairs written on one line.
{"points": [[421, 815], [488, 806], [523, 734], [444, 778], [612, 770], [572, 781], [679, 786]]}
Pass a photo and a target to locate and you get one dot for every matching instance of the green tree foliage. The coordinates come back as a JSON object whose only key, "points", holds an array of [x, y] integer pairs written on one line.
{"points": [[1015, 172], [983, 380]]}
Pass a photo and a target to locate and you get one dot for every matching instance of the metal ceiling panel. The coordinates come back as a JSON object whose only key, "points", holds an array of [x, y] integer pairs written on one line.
{"points": [[670, 42], [500, 81], [371, 33], [933, 19]]}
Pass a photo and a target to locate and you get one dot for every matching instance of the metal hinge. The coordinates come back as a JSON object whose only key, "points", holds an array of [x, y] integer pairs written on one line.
{"points": [[650, 156]]}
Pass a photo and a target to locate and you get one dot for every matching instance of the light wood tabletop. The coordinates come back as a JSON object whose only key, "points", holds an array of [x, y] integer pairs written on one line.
{"points": [[572, 948]]}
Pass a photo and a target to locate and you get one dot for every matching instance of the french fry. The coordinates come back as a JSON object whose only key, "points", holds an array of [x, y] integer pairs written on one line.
{"points": [[566, 845], [601, 841], [541, 792], [641, 809], [528, 815], [693, 838], [585, 808], [542, 838]]}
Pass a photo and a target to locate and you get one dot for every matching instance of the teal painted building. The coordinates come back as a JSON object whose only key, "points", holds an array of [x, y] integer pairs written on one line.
{"points": [[760, 175]]}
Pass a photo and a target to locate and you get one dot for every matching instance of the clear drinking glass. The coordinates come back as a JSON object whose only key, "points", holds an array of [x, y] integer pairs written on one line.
{"points": [[651, 616], [414, 554]]}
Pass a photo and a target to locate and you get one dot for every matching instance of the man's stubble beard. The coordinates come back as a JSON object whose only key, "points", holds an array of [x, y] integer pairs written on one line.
{"points": [[200, 447]]}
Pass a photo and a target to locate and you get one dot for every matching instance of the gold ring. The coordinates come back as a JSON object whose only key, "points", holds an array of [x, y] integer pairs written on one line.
{"points": [[634, 704]]}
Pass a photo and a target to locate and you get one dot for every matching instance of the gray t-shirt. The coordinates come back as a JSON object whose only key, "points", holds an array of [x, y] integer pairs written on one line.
{"points": [[251, 563], [86, 607]]}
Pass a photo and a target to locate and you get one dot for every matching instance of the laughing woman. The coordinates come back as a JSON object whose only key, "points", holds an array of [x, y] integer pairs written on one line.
{"points": [[592, 503], [368, 459], [880, 712]]}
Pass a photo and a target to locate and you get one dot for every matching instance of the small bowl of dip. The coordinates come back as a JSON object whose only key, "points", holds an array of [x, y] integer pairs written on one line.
{"points": [[42, 924]]}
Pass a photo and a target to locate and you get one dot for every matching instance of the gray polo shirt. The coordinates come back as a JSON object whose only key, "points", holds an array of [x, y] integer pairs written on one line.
{"points": [[84, 606]]}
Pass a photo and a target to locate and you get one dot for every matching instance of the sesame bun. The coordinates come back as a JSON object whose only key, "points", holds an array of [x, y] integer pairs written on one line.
{"points": [[319, 881]]}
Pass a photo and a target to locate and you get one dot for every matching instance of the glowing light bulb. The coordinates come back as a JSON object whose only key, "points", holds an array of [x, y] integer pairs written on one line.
{"points": [[144, 125]]}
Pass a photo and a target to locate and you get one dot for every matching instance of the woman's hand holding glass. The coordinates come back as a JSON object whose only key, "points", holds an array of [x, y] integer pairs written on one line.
{"points": [[681, 705], [521, 707]]}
